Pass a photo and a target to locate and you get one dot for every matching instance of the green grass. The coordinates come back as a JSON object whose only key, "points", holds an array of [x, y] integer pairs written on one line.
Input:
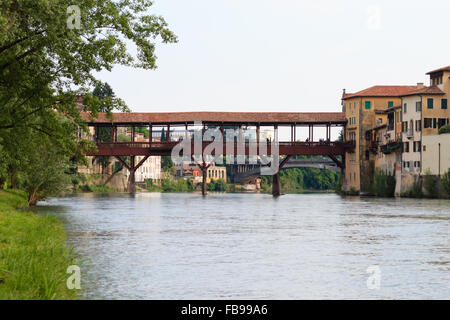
{"points": [[33, 253]]}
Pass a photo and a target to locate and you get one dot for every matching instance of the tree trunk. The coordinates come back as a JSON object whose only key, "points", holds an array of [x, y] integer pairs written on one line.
{"points": [[14, 180], [33, 198]]}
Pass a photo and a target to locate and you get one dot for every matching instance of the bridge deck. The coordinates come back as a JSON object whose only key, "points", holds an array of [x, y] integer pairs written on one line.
{"points": [[165, 148]]}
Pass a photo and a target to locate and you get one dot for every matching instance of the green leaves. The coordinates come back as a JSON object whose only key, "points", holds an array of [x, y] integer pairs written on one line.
{"points": [[47, 65]]}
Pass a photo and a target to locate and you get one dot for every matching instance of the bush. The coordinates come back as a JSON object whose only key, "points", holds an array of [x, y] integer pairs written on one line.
{"points": [[415, 191], [217, 185], [446, 182], [353, 192], [180, 185], [430, 184], [444, 129], [383, 184]]}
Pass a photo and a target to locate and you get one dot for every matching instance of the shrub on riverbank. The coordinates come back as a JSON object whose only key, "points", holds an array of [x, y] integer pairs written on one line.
{"points": [[446, 182], [383, 184], [217, 186], [180, 185], [430, 184], [33, 252], [415, 191]]}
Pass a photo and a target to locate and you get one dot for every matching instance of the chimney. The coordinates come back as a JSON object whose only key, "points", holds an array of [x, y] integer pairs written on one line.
{"points": [[419, 85], [343, 91]]}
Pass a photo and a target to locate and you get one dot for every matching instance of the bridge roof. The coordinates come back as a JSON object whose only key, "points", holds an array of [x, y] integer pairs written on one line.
{"points": [[263, 118]]}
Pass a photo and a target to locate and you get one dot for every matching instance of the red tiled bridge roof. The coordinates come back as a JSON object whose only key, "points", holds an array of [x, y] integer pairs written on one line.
{"points": [[220, 117]]}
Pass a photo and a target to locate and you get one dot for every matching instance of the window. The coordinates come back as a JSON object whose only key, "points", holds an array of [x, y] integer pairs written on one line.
{"points": [[430, 103], [418, 106], [430, 123], [390, 104], [417, 164], [418, 125], [442, 122], [417, 146], [406, 147], [405, 126], [405, 108], [367, 155], [443, 103], [367, 105], [406, 164]]}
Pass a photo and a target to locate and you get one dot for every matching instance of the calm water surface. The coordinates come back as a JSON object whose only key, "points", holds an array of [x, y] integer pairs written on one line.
{"points": [[252, 246]]}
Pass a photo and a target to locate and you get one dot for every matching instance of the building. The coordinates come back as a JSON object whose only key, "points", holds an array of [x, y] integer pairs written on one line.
{"points": [[150, 169], [366, 110], [192, 170], [436, 154], [395, 129]]}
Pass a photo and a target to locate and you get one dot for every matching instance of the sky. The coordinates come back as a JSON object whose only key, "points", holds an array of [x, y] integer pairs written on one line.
{"points": [[284, 55]]}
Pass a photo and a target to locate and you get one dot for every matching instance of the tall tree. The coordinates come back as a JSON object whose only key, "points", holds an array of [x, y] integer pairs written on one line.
{"points": [[49, 53]]}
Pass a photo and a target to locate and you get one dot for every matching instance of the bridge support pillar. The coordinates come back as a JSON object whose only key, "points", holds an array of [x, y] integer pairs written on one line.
{"points": [[204, 167], [276, 181], [276, 185], [132, 167], [132, 177]]}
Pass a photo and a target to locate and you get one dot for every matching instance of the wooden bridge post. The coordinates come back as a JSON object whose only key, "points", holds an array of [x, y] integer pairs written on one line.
{"points": [[204, 167], [276, 185], [132, 178], [276, 181]]}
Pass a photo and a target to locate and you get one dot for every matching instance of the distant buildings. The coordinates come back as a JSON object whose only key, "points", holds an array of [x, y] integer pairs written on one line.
{"points": [[395, 129], [191, 170]]}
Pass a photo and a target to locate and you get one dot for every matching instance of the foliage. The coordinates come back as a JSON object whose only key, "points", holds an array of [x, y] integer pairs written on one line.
{"points": [[444, 129], [430, 184], [353, 192], [47, 69], [446, 182], [217, 185], [298, 179], [383, 184], [167, 164], [33, 254], [104, 134], [415, 191], [180, 185]]}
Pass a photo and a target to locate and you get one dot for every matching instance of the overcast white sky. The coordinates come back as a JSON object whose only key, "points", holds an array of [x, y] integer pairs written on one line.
{"points": [[285, 55]]}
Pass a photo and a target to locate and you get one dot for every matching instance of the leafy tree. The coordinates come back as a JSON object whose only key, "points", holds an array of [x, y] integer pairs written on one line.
{"points": [[167, 164], [103, 91], [47, 68]]}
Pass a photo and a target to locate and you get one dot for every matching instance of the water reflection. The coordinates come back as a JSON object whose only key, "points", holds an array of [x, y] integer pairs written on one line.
{"points": [[251, 246]]}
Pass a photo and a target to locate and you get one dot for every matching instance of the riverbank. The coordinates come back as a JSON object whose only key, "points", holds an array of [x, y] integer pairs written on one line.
{"points": [[33, 253]]}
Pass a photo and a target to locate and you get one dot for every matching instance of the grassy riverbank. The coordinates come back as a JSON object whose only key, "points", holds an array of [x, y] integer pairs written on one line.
{"points": [[33, 252]]}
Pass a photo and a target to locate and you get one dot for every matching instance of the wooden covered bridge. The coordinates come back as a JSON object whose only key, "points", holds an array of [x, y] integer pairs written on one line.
{"points": [[239, 121]]}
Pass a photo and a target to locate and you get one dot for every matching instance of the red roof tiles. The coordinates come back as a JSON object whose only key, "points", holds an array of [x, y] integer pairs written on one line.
{"points": [[227, 117], [381, 91], [425, 90], [439, 70]]}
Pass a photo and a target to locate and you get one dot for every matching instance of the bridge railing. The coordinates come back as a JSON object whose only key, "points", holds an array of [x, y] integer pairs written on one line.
{"points": [[247, 144]]}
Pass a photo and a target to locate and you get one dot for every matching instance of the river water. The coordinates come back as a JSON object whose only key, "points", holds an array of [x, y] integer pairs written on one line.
{"points": [[254, 246]]}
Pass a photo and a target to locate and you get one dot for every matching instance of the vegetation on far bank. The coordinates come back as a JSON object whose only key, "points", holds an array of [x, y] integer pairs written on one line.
{"points": [[33, 252]]}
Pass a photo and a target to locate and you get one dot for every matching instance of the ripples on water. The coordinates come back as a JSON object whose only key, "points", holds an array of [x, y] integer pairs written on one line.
{"points": [[252, 246]]}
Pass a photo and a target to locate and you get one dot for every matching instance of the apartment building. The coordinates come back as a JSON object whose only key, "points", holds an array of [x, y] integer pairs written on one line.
{"points": [[395, 129], [366, 110]]}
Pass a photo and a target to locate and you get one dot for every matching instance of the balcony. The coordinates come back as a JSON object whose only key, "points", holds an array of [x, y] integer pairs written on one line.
{"points": [[410, 134], [391, 147]]}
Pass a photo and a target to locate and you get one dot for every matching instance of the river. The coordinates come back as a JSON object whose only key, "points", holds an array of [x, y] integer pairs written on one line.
{"points": [[254, 246]]}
